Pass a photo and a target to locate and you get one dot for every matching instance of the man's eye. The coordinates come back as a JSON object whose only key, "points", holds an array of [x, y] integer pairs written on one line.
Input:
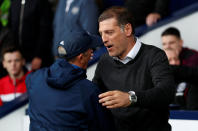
{"points": [[110, 32]]}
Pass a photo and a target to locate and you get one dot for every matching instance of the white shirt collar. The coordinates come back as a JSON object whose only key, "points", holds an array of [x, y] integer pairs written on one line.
{"points": [[132, 53]]}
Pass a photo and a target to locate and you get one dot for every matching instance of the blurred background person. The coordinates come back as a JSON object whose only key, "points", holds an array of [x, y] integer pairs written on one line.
{"points": [[12, 85], [171, 38], [74, 14], [147, 11], [186, 93]]}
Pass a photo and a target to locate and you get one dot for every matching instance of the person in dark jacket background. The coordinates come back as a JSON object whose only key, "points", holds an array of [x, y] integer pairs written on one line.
{"points": [[171, 39], [31, 22], [147, 11], [60, 97], [181, 95], [189, 75], [74, 14]]}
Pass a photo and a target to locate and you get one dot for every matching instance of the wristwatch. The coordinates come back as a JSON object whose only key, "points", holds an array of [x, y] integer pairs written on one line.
{"points": [[132, 97]]}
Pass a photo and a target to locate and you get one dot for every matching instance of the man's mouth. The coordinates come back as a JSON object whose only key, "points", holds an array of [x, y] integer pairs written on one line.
{"points": [[109, 46]]}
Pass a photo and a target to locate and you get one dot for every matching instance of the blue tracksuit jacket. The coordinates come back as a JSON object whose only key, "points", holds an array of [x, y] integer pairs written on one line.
{"points": [[62, 99]]}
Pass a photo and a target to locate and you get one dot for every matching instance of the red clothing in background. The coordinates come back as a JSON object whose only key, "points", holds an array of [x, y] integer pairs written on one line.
{"points": [[10, 89]]}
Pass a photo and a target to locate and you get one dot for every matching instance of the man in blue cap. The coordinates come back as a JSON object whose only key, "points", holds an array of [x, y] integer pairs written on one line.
{"points": [[60, 97]]}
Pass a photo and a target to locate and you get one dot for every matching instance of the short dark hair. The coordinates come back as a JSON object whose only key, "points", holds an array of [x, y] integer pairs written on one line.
{"points": [[121, 14], [171, 31], [9, 49]]}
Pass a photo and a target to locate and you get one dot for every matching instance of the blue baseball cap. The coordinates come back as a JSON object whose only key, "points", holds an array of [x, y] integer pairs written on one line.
{"points": [[76, 42]]}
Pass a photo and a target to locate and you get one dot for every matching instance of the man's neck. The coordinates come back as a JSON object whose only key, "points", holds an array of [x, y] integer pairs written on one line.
{"points": [[18, 76], [132, 42], [77, 63]]}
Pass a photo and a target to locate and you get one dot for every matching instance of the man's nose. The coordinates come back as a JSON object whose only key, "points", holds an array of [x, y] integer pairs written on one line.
{"points": [[168, 46], [104, 39]]}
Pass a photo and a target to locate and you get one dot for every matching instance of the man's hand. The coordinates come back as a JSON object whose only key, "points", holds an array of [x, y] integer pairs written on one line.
{"points": [[114, 99], [152, 18]]}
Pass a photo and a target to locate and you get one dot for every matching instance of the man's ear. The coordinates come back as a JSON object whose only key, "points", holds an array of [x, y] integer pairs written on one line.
{"points": [[181, 42], [80, 57], [128, 29]]}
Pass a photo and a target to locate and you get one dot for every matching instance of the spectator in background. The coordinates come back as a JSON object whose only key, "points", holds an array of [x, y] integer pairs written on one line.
{"points": [[135, 77], [12, 85], [74, 14], [31, 22], [171, 39], [147, 11], [73, 99]]}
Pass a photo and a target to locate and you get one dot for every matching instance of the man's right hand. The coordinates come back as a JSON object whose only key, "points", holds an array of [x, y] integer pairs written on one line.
{"points": [[114, 99]]}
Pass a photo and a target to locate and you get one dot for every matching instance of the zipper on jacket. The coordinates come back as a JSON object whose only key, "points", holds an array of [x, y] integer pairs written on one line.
{"points": [[21, 21], [14, 82]]}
